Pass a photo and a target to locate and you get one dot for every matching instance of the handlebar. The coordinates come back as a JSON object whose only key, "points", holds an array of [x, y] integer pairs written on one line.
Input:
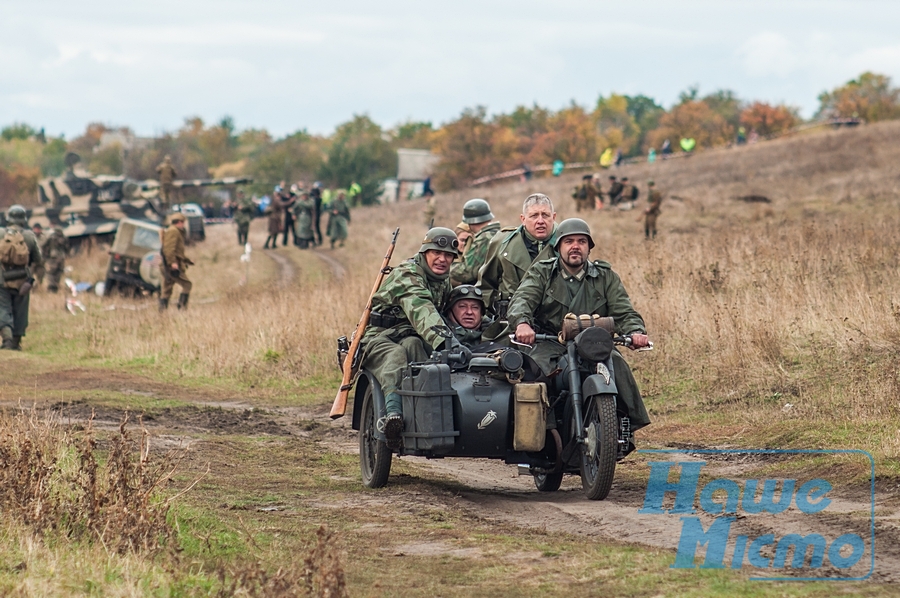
{"points": [[622, 341]]}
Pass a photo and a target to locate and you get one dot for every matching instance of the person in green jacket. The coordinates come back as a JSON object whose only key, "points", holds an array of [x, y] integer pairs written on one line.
{"points": [[246, 209], [571, 283], [304, 220], [477, 214], [405, 322], [512, 252], [338, 219]]}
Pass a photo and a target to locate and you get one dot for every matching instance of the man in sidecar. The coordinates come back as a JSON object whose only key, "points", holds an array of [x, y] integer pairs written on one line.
{"points": [[406, 325], [465, 314], [571, 283]]}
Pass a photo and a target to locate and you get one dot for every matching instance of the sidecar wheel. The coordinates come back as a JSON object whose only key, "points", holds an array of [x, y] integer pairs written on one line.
{"points": [[598, 455], [374, 455], [548, 482]]}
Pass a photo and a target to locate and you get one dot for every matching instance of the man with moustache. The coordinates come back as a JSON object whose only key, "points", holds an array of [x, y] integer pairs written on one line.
{"points": [[405, 323], [511, 252], [571, 283]]}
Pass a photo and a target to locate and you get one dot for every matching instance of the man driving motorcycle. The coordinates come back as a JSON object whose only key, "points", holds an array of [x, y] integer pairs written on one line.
{"points": [[571, 283]]}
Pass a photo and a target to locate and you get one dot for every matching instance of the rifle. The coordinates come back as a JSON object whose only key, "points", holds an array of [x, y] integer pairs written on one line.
{"points": [[339, 407]]}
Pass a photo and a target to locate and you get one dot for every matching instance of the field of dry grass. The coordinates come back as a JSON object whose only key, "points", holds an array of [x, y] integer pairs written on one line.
{"points": [[775, 324]]}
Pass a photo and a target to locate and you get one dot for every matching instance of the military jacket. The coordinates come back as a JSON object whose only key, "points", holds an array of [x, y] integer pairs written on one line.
{"points": [[173, 248], [416, 299], [35, 257], [507, 261], [246, 210], [655, 198], [467, 336], [166, 173], [548, 293], [55, 246], [465, 271], [339, 208]]}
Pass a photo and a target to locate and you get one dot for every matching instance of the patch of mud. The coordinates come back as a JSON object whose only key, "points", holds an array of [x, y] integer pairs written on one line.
{"points": [[438, 548], [208, 420]]}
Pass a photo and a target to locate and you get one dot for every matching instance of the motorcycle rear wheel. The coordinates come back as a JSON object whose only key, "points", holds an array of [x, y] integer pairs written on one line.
{"points": [[598, 454], [374, 455]]}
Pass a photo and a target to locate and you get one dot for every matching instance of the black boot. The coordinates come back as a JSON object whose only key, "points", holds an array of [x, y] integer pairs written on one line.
{"points": [[163, 305], [17, 343], [182, 301]]}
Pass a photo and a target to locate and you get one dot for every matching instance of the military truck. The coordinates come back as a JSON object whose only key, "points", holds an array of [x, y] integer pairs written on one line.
{"points": [[91, 206], [134, 259]]}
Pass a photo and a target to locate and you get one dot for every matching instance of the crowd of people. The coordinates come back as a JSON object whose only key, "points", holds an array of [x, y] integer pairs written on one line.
{"points": [[621, 194], [481, 283]]}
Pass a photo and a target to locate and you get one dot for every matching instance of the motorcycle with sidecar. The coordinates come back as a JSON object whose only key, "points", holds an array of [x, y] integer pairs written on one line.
{"points": [[483, 404]]}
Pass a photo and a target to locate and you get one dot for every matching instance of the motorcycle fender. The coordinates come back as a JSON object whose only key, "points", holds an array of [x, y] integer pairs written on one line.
{"points": [[363, 381], [596, 384]]}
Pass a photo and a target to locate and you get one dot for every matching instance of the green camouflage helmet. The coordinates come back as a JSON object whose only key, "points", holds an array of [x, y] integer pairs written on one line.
{"points": [[573, 226], [465, 291], [17, 215], [440, 239], [476, 211]]}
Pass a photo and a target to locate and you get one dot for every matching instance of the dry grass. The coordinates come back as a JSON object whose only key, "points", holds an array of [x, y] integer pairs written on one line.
{"points": [[752, 306]]}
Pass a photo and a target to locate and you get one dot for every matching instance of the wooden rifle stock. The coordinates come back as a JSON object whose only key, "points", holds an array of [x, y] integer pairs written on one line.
{"points": [[339, 407]]}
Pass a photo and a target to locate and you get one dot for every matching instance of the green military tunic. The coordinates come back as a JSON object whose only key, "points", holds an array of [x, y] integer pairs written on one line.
{"points": [[13, 304], [338, 219], [55, 248], [465, 271], [242, 218], [652, 213], [548, 292], [414, 297], [304, 214], [507, 261]]}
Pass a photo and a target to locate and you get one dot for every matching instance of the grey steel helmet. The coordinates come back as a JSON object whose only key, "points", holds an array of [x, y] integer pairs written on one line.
{"points": [[476, 211], [440, 239], [17, 215], [573, 226], [465, 291]]}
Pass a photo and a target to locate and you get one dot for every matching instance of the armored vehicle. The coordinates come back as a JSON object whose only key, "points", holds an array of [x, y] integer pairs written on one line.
{"points": [[85, 205], [134, 259]]}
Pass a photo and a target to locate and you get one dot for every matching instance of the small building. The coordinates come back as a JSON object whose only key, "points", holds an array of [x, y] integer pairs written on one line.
{"points": [[414, 166]]}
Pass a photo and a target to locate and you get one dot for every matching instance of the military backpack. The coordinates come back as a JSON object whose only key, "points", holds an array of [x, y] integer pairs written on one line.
{"points": [[14, 258]]}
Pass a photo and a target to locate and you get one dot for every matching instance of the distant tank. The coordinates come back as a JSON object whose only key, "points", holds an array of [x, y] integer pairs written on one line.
{"points": [[86, 205]]}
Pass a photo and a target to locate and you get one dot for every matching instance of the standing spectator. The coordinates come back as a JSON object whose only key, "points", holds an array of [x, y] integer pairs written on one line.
{"points": [[273, 212], [666, 149], [316, 195]]}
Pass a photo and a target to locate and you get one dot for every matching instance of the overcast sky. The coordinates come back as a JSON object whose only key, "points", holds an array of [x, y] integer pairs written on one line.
{"points": [[289, 65]]}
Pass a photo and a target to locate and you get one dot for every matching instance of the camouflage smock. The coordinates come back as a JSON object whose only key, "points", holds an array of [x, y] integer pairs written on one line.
{"points": [[338, 219], [304, 214], [465, 271], [245, 212], [411, 292]]}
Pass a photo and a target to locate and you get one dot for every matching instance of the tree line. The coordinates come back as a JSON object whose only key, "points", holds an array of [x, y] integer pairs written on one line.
{"points": [[474, 144]]}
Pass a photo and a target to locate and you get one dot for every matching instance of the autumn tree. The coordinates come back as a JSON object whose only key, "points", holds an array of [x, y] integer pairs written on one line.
{"points": [[297, 157], [695, 120], [360, 153], [615, 123], [766, 119], [570, 136], [870, 96], [472, 146]]}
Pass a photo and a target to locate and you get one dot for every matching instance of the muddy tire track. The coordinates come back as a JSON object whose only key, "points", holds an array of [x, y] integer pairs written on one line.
{"points": [[287, 272], [338, 271]]}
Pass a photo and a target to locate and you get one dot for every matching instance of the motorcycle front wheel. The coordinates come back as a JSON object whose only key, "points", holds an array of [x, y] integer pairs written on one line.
{"points": [[374, 455], [598, 453]]}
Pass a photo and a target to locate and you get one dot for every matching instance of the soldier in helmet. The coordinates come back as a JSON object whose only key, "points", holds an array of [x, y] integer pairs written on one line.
{"points": [[175, 264], [19, 255], [477, 214], [55, 248], [465, 313], [166, 175], [571, 283], [652, 212], [406, 320], [243, 216], [304, 221], [512, 252], [338, 219]]}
